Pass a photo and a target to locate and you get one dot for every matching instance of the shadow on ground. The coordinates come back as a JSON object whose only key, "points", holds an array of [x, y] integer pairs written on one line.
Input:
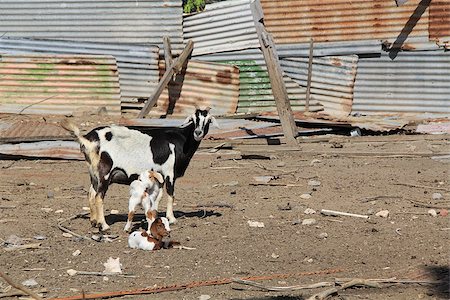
{"points": [[441, 275]]}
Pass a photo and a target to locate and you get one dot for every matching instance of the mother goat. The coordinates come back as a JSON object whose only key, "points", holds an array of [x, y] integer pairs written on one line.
{"points": [[118, 154]]}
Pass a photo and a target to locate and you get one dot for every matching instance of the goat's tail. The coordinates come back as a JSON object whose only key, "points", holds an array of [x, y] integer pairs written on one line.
{"points": [[69, 126]]}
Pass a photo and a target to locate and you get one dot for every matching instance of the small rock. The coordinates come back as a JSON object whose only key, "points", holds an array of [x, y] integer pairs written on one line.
{"points": [[305, 196], [59, 211], [263, 179], [71, 272], [76, 253], [30, 282], [204, 297], [443, 212], [323, 235], [281, 164], [85, 208], [382, 214], [50, 195], [315, 161], [309, 211], [274, 255], [255, 224], [308, 260], [370, 211], [40, 237], [296, 222], [114, 212], [309, 222], [313, 182], [105, 278], [47, 209], [437, 196], [432, 212], [32, 184], [67, 235]]}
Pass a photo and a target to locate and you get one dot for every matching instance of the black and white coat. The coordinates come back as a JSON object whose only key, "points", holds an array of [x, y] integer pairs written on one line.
{"points": [[118, 154]]}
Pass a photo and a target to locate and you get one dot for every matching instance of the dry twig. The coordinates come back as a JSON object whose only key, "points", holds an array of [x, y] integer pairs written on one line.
{"points": [[19, 286], [422, 186], [368, 199], [23, 247], [60, 226], [283, 288], [355, 282]]}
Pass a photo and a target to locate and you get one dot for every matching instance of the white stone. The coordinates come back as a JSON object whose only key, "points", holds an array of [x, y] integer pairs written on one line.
{"points": [[255, 224], [59, 211], [305, 196], [432, 212], [323, 235], [76, 253], [67, 235], [436, 196], [309, 211], [309, 222], [114, 212], [204, 297], [71, 272], [382, 214], [313, 182], [30, 282]]}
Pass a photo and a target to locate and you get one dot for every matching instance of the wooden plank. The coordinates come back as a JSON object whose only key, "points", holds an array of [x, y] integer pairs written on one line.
{"points": [[276, 76], [308, 83], [174, 68]]}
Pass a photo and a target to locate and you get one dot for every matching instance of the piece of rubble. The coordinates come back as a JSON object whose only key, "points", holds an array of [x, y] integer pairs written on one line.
{"points": [[114, 212], [76, 253], [255, 224], [313, 182], [305, 196], [443, 212], [113, 266], [67, 235], [30, 282], [71, 272], [59, 211], [309, 222], [323, 235], [309, 211], [432, 212], [382, 213], [436, 196]]}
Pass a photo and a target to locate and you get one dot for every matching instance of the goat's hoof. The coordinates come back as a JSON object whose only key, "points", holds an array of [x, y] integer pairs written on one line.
{"points": [[94, 223], [172, 221], [104, 227]]}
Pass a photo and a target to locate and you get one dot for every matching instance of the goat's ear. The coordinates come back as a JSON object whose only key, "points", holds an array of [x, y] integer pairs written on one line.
{"points": [[157, 176], [214, 122], [188, 119]]}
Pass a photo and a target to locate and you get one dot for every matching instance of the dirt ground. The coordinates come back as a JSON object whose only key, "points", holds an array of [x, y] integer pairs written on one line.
{"points": [[216, 199]]}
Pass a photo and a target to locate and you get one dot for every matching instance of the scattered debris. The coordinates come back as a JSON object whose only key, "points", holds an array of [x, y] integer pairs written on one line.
{"points": [[286, 207], [309, 222], [204, 297], [309, 211], [334, 213], [67, 235], [432, 212], [274, 255], [231, 183], [40, 237], [113, 266], [59, 211], [436, 196], [19, 286], [323, 235], [255, 224], [374, 198], [114, 212], [313, 182], [443, 212], [76, 253], [382, 213], [263, 179], [305, 196], [30, 282]]}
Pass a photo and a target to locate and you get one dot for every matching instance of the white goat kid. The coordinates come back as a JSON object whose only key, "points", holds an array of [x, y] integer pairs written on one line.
{"points": [[145, 191]]}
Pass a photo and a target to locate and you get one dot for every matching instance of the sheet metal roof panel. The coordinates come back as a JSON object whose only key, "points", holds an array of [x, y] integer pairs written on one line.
{"points": [[222, 26], [329, 48], [58, 84], [137, 64], [440, 20], [116, 21], [295, 21], [414, 82]]}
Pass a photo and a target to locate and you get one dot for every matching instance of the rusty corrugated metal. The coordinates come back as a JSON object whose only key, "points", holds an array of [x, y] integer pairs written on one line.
{"points": [[296, 21], [222, 26], [137, 64], [255, 92], [440, 20], [332, 80], [202, 83], [44, 149], [58, 84], [414, 82], [107, 21], [25, 131]]}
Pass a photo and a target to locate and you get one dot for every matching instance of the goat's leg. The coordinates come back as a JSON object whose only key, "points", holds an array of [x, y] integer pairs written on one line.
{"points": [[92, 207], [150, 211], [170, 186], [100, 213], [131, 210]]}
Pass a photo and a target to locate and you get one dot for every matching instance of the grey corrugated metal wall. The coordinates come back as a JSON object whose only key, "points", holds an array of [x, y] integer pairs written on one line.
{"points": [[107, 21], [137, 65], [414, 82], [222, 26]]}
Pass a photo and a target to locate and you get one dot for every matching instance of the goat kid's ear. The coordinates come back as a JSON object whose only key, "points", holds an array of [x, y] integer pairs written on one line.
{"points": [[157, 176], [188, 119], [214, 122]]}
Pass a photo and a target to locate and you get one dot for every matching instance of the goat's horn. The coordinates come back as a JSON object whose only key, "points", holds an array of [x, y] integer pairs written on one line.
{"points": [[208, 109]]}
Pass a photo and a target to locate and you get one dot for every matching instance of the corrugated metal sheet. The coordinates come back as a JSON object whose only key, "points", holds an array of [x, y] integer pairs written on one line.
{"points": [[330, 49], [295, 21], [107, 21], [414, 82], [137, 65], [202, 83], [255, 91], [440, 20], [31, 131], [222, 26], [45, 149], [58, 84], [332, 80]]}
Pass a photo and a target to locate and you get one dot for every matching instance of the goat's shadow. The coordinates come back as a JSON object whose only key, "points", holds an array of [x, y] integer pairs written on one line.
{"points": [[122, 218], [440, 274]]}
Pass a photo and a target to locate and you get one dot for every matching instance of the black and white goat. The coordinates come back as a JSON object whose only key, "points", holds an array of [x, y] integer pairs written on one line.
{"points": [[117, 154]]}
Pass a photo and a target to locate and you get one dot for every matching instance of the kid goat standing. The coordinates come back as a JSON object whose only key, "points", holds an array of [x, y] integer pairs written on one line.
{"points": [[117, 154]]}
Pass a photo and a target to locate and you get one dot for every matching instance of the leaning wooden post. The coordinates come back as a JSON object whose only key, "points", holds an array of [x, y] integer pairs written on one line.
{"points": [[275, 75], [175, 67], [308, 83]]}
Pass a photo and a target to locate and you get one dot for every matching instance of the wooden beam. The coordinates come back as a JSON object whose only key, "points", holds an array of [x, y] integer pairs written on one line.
{"points": [[308, 83], [167, 51], [175, 67], [279, 91]]}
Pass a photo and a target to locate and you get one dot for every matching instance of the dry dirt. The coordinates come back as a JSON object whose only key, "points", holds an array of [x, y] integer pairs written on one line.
{"points": [[215, 201]]}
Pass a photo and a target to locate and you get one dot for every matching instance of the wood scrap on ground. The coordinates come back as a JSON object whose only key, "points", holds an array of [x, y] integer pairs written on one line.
{"points": [[19, 286], [63, 228]]}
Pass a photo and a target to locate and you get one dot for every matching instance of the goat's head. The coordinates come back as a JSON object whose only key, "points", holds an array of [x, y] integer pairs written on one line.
{"points": [[151, 177], [160, 228], [202, 119]]}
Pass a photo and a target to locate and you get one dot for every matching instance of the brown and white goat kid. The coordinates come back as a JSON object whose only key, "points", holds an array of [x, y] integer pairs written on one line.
{"points": [[145, 191], [155, 240], [118, 154]]}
